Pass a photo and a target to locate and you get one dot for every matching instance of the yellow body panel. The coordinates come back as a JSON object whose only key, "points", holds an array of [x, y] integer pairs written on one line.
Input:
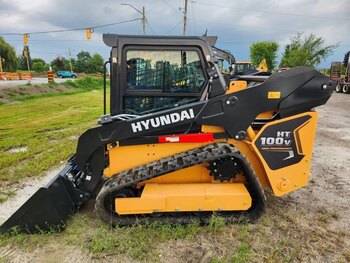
{"points": [[236, 85], [266, 115], [272, 95], [127, 157], [292, 177], [194, 174], [186, 197]]}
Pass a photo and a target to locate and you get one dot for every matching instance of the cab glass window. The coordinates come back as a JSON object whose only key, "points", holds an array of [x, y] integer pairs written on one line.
{"points": [[167, 71]]}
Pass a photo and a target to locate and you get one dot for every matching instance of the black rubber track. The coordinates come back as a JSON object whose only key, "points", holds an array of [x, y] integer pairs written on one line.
{"points": [[129, 178]]}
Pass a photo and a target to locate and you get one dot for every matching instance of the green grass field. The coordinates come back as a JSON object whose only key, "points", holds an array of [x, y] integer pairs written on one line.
{"points": [[38, 134]]}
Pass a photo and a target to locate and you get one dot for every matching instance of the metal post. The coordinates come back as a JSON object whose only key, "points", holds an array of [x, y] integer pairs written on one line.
{"points": [[0, 65], [70, 61], [28, 65], [185, 17], [144, 20]]}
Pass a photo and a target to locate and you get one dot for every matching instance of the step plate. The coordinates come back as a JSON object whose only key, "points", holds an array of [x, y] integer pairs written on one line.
{"points": [[185, 198]]}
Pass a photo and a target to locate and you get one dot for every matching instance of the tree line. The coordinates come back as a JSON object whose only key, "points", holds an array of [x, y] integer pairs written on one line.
{"points": [[83, 63], [302, 50]]}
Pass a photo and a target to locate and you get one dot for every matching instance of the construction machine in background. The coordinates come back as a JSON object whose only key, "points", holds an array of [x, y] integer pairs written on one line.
{"points": [[343, 83], [244, 68], [180, 142], [232, 70], [263, 66]]}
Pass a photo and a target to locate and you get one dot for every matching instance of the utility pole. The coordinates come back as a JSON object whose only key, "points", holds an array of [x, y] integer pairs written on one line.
{"points": [[185, 17], [70, 60], [28, 65], [143, 20], [1, 65], [27, 58]]}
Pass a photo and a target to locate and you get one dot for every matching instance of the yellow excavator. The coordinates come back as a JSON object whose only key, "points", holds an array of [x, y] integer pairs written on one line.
{"points": [[180, 143]]}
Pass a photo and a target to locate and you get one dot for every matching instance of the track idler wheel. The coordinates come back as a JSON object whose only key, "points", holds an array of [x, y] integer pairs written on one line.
{"points": [[105, 202], [224, 169]]}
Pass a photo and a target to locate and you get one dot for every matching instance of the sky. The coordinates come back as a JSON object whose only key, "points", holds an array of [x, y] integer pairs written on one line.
{"points": [[236, 23]]}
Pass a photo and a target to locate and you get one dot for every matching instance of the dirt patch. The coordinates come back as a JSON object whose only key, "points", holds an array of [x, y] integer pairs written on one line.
{"points": [[45, 254], [18, 149], [6, 94]]}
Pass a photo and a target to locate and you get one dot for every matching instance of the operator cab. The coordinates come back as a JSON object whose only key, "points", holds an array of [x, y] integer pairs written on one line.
{"points": [[154, 73]]}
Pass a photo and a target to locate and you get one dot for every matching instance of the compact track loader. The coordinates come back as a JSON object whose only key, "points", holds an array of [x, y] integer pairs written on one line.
{"points": [[180, 142]]}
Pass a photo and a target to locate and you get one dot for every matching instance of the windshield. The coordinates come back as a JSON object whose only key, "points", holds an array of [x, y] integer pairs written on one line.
{"points": [[165, 79]]}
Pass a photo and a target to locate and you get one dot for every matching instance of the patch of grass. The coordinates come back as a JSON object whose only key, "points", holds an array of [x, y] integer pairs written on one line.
{"points": [[87, 83], [243, 251], [242, 254], [216, 224], [139, 241], [6, 194], [48, 127], [13, 237]]}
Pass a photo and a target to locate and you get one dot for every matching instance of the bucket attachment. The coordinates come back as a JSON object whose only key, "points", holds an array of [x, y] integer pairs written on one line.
{"points": [[48, 208]]}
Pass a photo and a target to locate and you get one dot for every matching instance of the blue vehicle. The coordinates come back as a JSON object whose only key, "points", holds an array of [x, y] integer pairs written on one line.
{"points": [[66, 74]]}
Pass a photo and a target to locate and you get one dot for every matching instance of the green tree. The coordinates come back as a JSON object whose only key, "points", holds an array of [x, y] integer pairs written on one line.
{"points": [[39, 60], [264, 49], [346, 59], [82, 63], [95, 64], [67, 64], [8, 53], [58, 64], [38, 66], [305, 50]]}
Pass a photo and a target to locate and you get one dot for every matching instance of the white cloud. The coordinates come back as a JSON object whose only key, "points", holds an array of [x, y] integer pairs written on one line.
{"points": [[237, 23]]}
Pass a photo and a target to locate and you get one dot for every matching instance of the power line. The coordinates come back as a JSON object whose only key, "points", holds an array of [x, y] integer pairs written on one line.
{"points": [[171, 7], [150, 27], [69, 30], [269, 11], [193, 19], [52, 40], [173, 28]]}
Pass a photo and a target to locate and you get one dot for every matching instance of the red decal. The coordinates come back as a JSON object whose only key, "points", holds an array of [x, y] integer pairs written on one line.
{"points": [[192, 137]]}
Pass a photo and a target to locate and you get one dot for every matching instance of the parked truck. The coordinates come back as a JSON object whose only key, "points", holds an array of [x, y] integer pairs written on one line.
{"points": [[343, 83]]}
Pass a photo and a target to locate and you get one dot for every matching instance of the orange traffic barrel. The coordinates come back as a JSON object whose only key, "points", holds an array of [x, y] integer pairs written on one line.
{"points": [[50, 77]]}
